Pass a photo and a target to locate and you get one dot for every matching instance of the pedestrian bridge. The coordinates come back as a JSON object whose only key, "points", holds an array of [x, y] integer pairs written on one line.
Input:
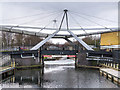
{"points": [[37, 53]]}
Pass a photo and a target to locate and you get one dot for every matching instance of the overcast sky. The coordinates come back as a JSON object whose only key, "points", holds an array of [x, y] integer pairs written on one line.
{"points": [[43, 13]]}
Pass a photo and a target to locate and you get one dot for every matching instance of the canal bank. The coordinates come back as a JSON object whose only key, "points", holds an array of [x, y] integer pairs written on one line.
{"points": [[58, 76], [6, 72], [111, 74]]}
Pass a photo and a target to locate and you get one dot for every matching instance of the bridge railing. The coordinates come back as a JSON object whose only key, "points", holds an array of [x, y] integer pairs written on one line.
{"points": [[112, 62], [15, 48], [107, 59], [59, 52], [100, 58]]}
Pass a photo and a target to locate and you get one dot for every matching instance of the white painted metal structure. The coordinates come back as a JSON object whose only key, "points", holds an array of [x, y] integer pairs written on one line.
{"points": [[63, 29], [22, 30], [80, 41], [44, 41], [12, 29], [17, 29], [52, 35]]}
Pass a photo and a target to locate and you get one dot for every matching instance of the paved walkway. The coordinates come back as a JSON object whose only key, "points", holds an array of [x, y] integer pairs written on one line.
{"points": [[111, 71]]}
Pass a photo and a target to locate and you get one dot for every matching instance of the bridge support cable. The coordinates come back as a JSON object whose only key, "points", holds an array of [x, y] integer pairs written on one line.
{"points": [[38, 18], [92, 21], [78, 39], [84, 14], [78, 23], [49, 23], [36, 47]]}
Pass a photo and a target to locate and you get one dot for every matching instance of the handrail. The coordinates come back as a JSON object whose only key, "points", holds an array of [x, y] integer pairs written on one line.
{"points": [[28, 56]]}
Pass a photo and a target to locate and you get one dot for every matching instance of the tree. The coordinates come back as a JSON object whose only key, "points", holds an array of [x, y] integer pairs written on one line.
{"points": [[19, 39], [31, 40], [66, 44], [92, 40], [6, 39]]}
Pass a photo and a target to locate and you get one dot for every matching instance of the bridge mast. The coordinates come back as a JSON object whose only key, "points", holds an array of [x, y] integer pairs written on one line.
{"points": [[36, 47], [66, 17]]}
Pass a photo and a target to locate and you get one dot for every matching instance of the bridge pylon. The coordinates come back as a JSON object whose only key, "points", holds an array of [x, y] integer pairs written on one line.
{"points": [[65, 15]]}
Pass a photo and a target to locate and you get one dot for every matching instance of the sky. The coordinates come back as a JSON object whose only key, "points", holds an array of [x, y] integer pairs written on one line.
{"points": [[42, 14]]}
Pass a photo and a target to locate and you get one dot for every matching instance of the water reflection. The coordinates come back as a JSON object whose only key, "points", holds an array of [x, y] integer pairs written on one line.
{"points": [[56, 76]]}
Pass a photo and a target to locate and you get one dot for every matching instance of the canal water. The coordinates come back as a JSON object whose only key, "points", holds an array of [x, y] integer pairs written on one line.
{"points": [[57, 74]]}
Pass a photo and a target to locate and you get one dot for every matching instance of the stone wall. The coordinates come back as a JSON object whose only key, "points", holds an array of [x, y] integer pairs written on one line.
{"points": [[26, 61], [81, 60]]}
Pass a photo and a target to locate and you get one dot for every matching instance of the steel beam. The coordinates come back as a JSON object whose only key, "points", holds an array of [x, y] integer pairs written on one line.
{"points": [[44, 41], [19, 31], [49, 37], [80, 41], [69, 41], [94, 33], [63, 29], [73, 44]]}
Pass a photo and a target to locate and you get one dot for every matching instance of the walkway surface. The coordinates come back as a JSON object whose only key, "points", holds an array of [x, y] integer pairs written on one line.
{"points": [[111, 71]]}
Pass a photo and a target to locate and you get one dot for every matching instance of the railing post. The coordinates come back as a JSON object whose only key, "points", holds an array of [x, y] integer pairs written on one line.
{"points": [[43, 61], [38, 56], [76, 61]]}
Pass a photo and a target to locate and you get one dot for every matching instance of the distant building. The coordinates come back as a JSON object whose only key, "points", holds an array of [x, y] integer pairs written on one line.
{"points": [[110, 41]]}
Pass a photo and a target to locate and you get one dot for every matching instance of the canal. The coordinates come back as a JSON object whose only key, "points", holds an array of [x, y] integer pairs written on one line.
{"points": [[57, 74]]}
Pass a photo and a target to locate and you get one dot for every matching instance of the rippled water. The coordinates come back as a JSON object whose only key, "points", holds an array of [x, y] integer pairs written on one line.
{"points": [[57, 76]]}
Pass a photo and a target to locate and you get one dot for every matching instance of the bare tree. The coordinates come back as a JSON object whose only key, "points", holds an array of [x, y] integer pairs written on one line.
{"points": [[19, 39], [31, 40]]}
